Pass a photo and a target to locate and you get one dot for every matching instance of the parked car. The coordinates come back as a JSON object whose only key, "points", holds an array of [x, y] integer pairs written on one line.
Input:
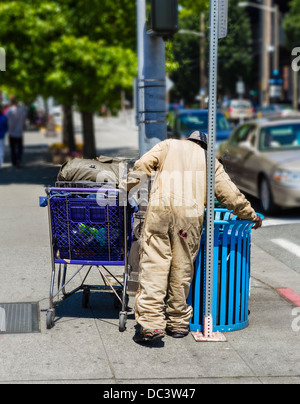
{"points": [[182, 123], [238, 110], [275, 110], [263, 159]]}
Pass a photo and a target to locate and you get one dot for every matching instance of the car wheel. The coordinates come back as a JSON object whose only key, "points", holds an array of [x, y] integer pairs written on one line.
{"points": [[266, 199]]}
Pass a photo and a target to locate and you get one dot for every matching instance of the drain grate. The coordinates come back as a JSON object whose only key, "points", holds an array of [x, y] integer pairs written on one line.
{"points": [[19, 318]]}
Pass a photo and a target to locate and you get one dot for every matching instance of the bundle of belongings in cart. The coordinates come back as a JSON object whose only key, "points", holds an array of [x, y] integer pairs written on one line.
{"points": [[92, 173]]}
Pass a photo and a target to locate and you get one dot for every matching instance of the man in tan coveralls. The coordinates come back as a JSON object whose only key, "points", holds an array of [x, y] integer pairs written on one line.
{"points": [[172, 231]]}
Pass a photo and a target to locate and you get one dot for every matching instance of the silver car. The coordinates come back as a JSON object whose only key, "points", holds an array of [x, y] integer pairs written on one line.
{"points": [[263, 159]]}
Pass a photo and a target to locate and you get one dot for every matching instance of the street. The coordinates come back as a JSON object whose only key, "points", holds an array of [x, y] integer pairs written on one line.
{"points": [[117, 136], [72, 260], [85, 344], [279, 236], [282, 242]]}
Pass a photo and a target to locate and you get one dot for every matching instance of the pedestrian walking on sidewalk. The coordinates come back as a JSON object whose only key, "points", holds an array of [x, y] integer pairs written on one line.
{"points": [[16, 118], [3, 131], [172, 231]]}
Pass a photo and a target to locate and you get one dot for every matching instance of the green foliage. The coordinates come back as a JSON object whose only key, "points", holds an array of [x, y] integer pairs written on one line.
{"points": [[194, 6], [26, 29], [85, 51], [111, 21], [187, 54], [291, 24], [90, 71], [171, 64], [235, 51], [70, 49]]}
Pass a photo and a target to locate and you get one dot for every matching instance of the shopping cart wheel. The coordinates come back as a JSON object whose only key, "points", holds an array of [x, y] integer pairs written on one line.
{"points": [[50, 319], [123, 321], [86, 298]]}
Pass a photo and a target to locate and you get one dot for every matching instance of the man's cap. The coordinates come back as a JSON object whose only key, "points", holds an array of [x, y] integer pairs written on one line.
{"points": [[199, 137]]}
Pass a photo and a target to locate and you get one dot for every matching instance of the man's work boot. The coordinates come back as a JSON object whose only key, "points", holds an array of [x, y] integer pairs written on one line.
{"points": [[178, 333], [144, 338]]}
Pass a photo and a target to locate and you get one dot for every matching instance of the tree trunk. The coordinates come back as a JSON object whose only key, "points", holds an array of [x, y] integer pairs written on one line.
{"points": [[68, 128], [89, 146]]}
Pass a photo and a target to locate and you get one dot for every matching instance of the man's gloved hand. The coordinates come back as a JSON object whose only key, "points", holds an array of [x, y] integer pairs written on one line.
{"points": [[258, 222]]}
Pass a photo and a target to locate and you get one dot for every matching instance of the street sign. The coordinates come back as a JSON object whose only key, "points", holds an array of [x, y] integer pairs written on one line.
{"points": [[223, 18], [240, 87], [275, 91]]}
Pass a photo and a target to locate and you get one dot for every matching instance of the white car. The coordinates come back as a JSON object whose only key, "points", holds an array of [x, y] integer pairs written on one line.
{"points": [[240, 110]]}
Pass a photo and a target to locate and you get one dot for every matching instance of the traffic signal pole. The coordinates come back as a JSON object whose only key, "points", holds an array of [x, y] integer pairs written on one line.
{"points": [[151, 85]]}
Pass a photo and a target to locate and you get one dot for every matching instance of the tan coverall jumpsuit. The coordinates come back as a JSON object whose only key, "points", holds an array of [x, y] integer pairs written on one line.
{"points": [[173, 227]]}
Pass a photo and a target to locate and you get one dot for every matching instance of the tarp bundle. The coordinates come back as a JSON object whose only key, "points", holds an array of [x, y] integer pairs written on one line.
{"points": [[101, 170]]}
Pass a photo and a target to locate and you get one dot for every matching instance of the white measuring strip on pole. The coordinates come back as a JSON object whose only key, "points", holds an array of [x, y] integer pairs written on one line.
{"points": [[218, 29]]}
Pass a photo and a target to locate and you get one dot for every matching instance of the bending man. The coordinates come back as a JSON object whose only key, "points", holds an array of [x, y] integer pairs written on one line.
{"points": [[171, 235]]}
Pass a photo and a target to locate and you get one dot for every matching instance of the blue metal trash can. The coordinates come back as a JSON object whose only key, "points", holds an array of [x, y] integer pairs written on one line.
{"points": [[231, 275]]}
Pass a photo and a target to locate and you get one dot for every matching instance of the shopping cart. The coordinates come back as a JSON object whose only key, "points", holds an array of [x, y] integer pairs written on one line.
{"points": [[89, 228]]}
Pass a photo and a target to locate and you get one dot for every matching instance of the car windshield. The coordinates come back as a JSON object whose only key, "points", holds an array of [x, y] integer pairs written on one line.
{"points": [[194, 121], [241, 104], [281, 137]]}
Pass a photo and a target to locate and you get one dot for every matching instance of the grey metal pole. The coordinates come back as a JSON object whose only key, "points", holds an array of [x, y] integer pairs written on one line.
{"points": [[266, 55], [202, 61], [151, 85], [218, 30], [213, 80], [276, 37]]}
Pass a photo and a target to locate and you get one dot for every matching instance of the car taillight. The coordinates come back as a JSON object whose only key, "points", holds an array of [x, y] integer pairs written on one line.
{"points": [[252, 110], [230, 110]]}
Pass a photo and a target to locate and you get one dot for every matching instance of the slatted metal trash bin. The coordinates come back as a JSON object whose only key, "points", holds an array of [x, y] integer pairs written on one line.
{"points": [[231, 275]]}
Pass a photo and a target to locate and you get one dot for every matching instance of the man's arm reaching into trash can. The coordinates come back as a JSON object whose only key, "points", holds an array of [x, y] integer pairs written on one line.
{"points": [[229, 195]]}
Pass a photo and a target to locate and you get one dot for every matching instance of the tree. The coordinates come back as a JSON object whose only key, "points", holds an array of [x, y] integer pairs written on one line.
{"points": [[77, 51], [186, 50], [90, 72], [194, 6], [25, 30], [291, 23], [235, 51]]}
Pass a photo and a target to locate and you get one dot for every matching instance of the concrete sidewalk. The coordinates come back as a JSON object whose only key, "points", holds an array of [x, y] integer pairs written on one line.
{"points": [[85, 345]]}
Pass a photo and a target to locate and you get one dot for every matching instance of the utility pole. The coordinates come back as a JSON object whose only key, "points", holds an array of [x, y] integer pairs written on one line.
{"points": [[296, 90], [266, 47], [151, 85], [267, 41], [218, 29], [202, 77], [276, 37], [202, 61]]}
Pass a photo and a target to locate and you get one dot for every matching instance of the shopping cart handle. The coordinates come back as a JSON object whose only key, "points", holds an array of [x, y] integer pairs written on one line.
{"points": [[43, 201]]}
